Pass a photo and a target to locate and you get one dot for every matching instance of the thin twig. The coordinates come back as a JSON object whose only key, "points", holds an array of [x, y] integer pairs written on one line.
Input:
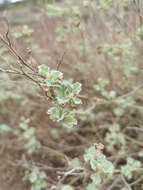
{"points": [[60, 61], [137, 5], [10, 71], [137, 181], [114, 183], [134, 141], [126, 183], [135, 129], [21, 62], [8, 44], [133, 91]]}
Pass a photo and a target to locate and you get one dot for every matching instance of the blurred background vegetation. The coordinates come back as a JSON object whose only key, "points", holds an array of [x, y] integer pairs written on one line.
{"points": [[102, 44]]}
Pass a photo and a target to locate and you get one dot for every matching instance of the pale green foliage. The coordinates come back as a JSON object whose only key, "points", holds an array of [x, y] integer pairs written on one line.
{"points": [[96, 182], [106, 4], [119, 104], [64, 95], [86, 3], [31, 144], [67, 92], [91, 186], [4, 129], [115, 137], [44, 70], [129, 69], [123, 104], [7, 89], [138, 35], [52, 77], [75, 163], [99, 164], [86, 115], [98, 161], [55, 11], [115, 51], [64, 116], [37, 178], [7, 92], [71, 13], [67, 187], [131, 166], [102, 86], [121, 53]]}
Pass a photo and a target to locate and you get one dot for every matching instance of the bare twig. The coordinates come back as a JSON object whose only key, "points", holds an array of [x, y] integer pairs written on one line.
{"points": [[7, 42], [137, 181], [114, 183], [60, 61], [126, 183], [137, 5], [9, 46], [133, 91], [10, 71], [20, 61], [134, 141], [135, 129]]}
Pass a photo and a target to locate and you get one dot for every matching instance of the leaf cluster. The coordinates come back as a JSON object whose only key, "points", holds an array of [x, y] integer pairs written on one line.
{"points": [[64, 95]]}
